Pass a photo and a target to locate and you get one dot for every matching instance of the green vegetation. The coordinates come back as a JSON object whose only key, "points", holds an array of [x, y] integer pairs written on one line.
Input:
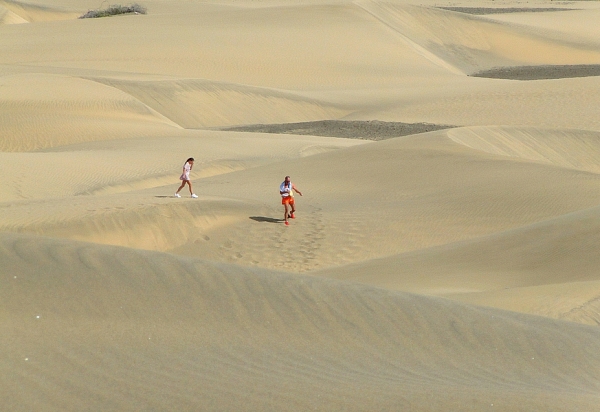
{"points": [[114, 10]]}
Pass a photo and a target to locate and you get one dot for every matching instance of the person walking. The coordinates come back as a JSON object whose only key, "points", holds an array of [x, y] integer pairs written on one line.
{"points": [[286, 190], [185, 177]]}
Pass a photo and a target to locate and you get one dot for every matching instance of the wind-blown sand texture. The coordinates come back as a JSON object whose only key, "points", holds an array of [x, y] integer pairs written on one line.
{"points": [[451, 268]]}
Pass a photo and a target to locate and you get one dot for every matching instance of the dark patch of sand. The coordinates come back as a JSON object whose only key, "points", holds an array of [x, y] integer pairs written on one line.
{"points": [[502, 10], [540, 72], [368, 130]]}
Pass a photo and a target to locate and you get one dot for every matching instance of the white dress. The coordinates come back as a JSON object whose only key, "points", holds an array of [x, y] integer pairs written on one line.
{"points": [[186, 174]]}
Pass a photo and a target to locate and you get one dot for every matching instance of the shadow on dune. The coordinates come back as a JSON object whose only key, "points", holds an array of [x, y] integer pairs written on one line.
{"points": [[265, 219], [349, 129], [542, 72]]}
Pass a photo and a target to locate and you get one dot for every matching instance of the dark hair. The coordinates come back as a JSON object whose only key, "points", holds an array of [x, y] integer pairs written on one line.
{"points": [[191, 159]]}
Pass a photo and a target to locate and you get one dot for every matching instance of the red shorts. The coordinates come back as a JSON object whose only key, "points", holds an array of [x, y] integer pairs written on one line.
{"points": [[287, 200]]}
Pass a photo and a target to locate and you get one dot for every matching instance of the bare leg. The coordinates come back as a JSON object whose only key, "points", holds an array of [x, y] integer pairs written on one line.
{"points": [[189, 182], [180, 187], [285, 216]]}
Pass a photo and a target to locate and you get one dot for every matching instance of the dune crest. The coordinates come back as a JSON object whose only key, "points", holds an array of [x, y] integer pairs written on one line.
{"points": [[573, 149], [350, 346], [9, 17], [541, 268], [201, 103], [451, 270], [19, 12], [470, 43], [39, 111]]}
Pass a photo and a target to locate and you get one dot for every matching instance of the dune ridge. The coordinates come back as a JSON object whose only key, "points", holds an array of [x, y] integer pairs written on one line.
{"points": [[451, 270], [573, 149], [201, 104], [545, 264], [16, 12], [41, 111], [260, 312], [468, 43]]}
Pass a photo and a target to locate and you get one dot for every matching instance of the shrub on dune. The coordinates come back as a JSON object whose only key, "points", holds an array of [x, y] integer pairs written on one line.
{"points": [[114, 10]]}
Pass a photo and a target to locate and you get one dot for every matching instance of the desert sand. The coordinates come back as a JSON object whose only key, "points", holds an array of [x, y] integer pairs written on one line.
{"points": [[444, 254]]}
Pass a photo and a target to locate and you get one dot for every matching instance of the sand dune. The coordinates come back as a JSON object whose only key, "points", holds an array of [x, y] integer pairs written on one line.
{"points": [[9, 17], [16, 12], [575, 301], [391, 197], [572, 149], [287, 52], [41, 111], [90, 316], [576, 24], [547, 268], [198, 104], [146, 162], [559, 250], [470, 43], [440, 193], [453, 270]]}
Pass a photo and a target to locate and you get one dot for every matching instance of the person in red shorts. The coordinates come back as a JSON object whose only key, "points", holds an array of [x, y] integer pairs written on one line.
{"points": [[286, 190]]}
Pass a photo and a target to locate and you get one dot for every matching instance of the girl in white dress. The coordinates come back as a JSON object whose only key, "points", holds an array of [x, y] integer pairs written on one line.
{"points": [[185, 177]]}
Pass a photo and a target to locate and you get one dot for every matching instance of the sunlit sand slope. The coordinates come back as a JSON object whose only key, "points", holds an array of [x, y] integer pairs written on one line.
{"points": [[572, 149], [454, 270], [86, 326], [118, 166], [200, 103], [471, 43], [9, 17], [557, 251], [74, 192], [325, 46], [389, 197], [579, 25], [38, 111], [16, 12], [369, 201], [206, 65], [563, 104], [534, 268], [575, 301]]}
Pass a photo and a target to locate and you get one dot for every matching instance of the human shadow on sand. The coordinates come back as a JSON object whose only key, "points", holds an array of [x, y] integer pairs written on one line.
{"points": [[265, 219]]}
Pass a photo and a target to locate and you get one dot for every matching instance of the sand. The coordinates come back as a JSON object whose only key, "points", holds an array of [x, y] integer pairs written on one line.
{"points": [[443, 254]]}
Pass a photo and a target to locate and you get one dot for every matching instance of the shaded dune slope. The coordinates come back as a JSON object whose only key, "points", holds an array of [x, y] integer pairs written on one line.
{"points": [[541, 72], [82, 324]]}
